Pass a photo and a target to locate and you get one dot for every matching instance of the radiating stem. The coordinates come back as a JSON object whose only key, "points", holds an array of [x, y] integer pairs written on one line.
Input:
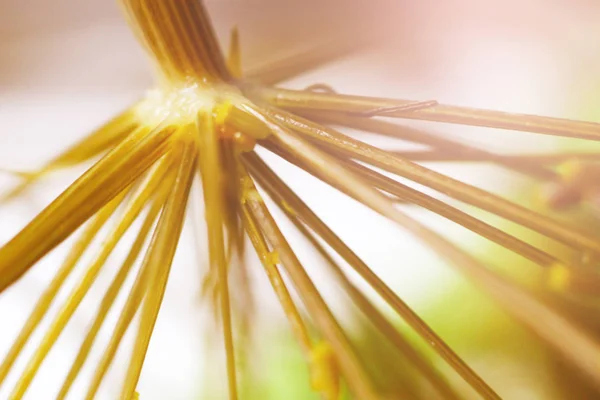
{"points": [[179, 36], [568, 339], [320, 228], [279, 287], [412, 196], [99, 141], [301, 60], [80, 201], [214, 198], [112, 293], [457, 156], [294, 99], [445, 147], [318, 309], [337, 175], [47, 298], [234, 57], [77, 295], [447, 185], [161, 256], [279, 193], [135, 297]]}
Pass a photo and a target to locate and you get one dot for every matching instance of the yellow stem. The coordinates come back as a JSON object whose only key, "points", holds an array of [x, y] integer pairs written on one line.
{"points": [[337, 175], [347, 360], [81, 200], [214, 198], [111, 294], [47, 298], [298, 212], [161, 256], [179, 36], [134, 208]]}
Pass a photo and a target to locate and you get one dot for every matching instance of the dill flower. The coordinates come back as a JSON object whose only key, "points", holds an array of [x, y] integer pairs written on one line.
{"points": [[202, 123]]}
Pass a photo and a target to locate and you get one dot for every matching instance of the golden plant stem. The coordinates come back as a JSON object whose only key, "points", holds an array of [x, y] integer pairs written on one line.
{"points": [[136, 205], [179, 36], [450, 156], [279, 287], [272, 183], [518, 246], [444, 184], [135, 297], [433, 377], [337, 175], [47, 298], [111, 295], [444, 147], [80, 201], [353, 372], [235, 260], [575, 279], [288, 203], [98, 142], [214, 199], [298, 327], [234, 224], [132, 304], [234, 58], [161, 256], [270, 261], [569, 340], [294, 99], [102, 140], [406, 195]]}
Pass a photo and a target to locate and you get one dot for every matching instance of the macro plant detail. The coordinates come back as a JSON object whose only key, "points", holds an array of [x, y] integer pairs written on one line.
{"points": [[202, 124]]}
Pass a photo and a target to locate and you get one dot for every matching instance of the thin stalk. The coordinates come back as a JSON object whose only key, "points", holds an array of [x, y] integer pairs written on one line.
{"points": [[297, 99], [337, 175], [443, 146], [96, 143], [459, 190], [161, 256], [566, 338], [214, 199], [540, 159], [134, 208], [410, 195], [47, 298], [134, 299], [320, 228], [269, 262], [100, 184], [234, 57], [111, 295], [403, 194], [318, 309], [180, 38], [303, 59], [280, 194]]}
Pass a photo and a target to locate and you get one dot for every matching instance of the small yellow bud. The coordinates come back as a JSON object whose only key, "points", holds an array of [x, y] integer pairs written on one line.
{"points": [[324, 371]]}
